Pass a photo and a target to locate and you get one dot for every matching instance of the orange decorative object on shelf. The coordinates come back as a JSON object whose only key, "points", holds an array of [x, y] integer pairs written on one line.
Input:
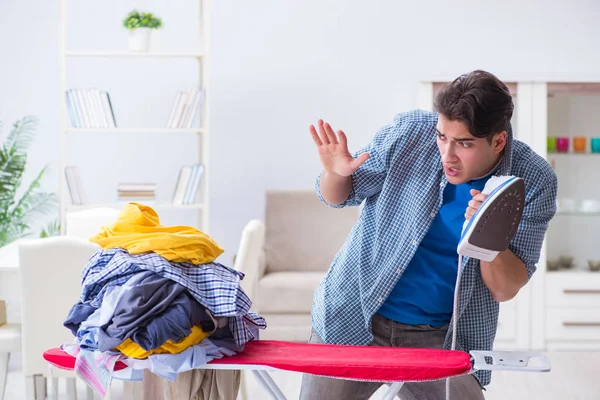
{"points": [[579, 144]]}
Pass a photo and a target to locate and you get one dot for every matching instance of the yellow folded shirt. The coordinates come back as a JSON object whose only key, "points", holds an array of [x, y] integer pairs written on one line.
{"points": [[138, 230], [133, 350]]}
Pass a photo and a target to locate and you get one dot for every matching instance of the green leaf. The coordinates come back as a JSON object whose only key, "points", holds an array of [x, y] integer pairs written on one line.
{"points": [[28, 197], [16, 216], [136, 19], [52, 229], [22, 133]]}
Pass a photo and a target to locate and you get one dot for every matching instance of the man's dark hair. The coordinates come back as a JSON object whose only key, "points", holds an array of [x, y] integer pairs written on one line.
{"points": [[478, 99]]}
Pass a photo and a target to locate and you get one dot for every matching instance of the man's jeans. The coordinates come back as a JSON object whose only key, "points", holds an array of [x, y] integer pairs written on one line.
{"points": [[394, 334]]}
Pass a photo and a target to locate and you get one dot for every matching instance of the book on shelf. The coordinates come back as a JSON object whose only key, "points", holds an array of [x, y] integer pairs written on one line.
{"points": [[140, 187], [186, 108], [188, 182], [74, 185], [90, 108], [136, 192]]}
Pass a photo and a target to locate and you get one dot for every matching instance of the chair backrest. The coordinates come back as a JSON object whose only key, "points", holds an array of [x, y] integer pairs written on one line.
{"points": [[50, 272], [302, 233], [87, 223], [250, 255]]}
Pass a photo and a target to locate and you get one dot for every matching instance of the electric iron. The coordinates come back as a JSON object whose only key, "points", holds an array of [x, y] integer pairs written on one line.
{"points": [[495, 223], [490, 230]]}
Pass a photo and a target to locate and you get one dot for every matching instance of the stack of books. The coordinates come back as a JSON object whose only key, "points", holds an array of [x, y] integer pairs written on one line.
{"points": [[136, 192], [186, 190], [90, 108], [186, 108]]}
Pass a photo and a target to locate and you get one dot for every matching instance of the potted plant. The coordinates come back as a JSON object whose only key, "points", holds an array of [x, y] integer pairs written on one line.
{"points": [[140, 25], [18, 214]]}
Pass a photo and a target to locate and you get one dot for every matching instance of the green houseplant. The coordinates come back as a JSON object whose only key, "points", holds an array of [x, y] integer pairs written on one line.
{"points": [[140, 25], [19, 212]]}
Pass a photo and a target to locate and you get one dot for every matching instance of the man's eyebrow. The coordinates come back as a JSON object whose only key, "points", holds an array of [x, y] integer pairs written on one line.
{"points": [[469, 139]]}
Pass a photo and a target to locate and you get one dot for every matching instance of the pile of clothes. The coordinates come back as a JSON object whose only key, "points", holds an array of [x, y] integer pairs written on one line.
{"points": [[154, 298]]}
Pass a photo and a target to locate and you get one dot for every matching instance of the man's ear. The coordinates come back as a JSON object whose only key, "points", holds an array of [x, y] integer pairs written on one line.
{"points": [[499, 141]]}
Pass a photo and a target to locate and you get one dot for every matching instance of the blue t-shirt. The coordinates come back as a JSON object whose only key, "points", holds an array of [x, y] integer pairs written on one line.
{"points": [[424, 294]]}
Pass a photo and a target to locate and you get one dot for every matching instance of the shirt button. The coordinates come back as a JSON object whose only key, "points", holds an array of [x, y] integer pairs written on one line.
{"points": [[442, 184], [380, 299], [432, 214], [414, 242], [398, 271]]}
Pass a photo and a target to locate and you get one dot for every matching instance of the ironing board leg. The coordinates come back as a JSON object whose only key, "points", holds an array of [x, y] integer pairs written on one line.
{"points": [[54, 382], [268, 385], [267, 377], [71, 389], [392, 391]]}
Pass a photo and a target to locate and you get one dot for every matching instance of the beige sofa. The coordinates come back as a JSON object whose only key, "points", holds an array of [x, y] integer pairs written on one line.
{"points": [[286, 257]]}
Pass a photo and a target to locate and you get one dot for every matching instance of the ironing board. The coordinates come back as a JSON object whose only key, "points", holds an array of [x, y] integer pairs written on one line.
{"points": [[389, 365]]}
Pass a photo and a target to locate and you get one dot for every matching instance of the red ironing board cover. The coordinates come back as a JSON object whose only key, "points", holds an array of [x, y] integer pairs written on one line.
{"points": [[64, 360], [372, 363]]}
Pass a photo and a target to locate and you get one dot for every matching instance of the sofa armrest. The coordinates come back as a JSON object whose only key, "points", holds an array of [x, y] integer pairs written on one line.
{"points": [[250, 258]]}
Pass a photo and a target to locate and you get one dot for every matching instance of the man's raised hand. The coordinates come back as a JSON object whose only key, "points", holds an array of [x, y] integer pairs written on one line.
{"points": [[333, 150]]}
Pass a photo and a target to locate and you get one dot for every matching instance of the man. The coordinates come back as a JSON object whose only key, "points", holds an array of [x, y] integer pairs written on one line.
{"points": [[392, 283]]}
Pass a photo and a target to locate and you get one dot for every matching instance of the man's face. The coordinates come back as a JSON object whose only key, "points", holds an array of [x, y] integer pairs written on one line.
{"points": [[464, 156]]}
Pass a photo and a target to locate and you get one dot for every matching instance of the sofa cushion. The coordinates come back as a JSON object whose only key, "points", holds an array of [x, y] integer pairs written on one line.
{"points": [[290, 327], [303, 233], [287, 292]]}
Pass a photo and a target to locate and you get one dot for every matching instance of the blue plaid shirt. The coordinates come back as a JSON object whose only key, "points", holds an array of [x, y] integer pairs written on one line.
{"points": [[213, 285], [402, 185]]}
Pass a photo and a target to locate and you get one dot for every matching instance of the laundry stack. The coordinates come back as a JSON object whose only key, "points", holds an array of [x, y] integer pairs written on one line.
{"points": [[154, 298]]}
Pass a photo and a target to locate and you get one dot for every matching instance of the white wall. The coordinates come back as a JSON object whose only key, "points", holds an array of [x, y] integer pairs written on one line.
{"points": [[277, 66]]}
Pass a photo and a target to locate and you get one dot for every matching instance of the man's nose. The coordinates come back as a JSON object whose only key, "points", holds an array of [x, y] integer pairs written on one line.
{"points": [[448, 153]]}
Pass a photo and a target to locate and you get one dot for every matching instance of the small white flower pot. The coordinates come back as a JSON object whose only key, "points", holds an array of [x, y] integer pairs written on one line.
{"points": [[139, 39]]}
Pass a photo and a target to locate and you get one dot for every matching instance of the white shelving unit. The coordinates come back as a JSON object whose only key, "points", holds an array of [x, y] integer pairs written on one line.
{"points": [[202, 132], [135, 130], [157, 205], [136, 55], [566, 306]]}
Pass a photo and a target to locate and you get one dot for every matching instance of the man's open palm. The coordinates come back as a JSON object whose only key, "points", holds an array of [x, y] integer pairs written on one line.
{"points": [[333, 150]]}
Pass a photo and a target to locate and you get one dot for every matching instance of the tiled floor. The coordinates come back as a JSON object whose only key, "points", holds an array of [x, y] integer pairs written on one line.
{"points": [[574, 376]]}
